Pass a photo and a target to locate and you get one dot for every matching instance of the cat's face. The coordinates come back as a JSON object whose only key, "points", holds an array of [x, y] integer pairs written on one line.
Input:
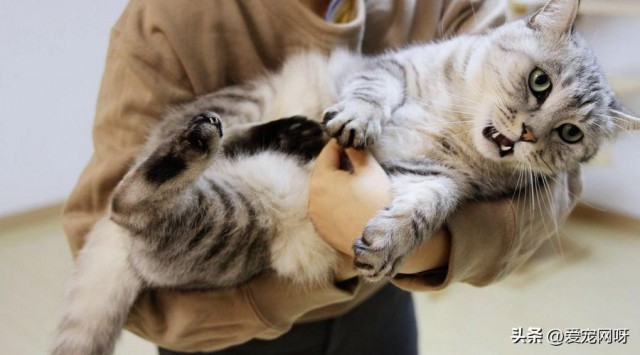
{"points": [[545, 104]]}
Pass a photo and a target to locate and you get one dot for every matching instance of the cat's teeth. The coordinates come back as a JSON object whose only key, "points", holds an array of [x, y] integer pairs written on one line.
{"points": [[505, 148], [495, 135]]}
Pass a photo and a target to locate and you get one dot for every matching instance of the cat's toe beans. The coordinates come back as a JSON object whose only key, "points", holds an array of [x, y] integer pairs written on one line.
{"points": [[305, 129], [295, 126]]}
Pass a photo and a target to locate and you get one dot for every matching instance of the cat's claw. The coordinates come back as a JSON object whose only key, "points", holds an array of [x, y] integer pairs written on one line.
{"points": [[374, 264], [354, 123], [208, 117]]}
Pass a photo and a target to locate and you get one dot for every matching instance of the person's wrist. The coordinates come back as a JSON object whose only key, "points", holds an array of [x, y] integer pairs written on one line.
{"points": [[432, 254], [344, 269]]}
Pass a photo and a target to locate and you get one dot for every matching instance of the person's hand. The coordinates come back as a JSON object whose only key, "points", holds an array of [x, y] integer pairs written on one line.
{"points": [[342, 202]]}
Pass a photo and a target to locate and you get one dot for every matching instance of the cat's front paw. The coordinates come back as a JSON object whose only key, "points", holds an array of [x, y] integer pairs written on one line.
{"points": [[385, 243], [354, 123], [203, 133]]}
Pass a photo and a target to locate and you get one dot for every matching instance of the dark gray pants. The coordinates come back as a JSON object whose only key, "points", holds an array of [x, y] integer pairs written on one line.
{"points": [[385, 324]]}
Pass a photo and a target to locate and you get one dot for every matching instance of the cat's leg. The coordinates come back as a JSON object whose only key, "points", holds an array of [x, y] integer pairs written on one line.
{"points": [[214, 223], [171, 168], [423, 198], [99, 295], [366, 101], [296, 136], [238, 105]]}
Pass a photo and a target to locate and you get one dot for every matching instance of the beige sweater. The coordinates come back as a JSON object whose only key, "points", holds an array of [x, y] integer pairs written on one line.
{"points": [[166, 52]]}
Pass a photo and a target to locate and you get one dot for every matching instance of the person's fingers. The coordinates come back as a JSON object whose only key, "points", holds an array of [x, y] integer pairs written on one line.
{"points": [[329, 157], [359, 158], [364, 162]]}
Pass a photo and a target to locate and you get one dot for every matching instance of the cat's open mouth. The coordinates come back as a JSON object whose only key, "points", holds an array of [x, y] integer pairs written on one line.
{"points": [[505, 145]]}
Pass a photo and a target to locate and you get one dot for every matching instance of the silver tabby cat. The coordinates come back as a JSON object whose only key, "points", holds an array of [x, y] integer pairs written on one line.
{"points": [[454, 121]]}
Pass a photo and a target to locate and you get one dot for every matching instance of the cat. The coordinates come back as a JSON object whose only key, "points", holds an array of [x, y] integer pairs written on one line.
{"points": [[207, 207]]}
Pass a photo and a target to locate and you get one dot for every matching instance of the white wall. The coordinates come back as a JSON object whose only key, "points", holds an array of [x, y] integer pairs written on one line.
{"points": [[52, 55], [612, 182]]}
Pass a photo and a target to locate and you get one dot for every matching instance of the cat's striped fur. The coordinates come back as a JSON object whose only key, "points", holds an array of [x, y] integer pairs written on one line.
{"points": [[450, 122]]}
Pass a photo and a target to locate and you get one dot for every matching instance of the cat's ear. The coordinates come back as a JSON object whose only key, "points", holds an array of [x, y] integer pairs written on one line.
{"points": [[623, 119], [556, 17]]}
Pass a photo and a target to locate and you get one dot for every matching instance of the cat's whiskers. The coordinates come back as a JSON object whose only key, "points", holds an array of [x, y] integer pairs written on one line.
{"points": [[554, 235], [538, 159], [442, 107], [473, 11], [473, 85], [539, 206], [613, 122], [446, 108], [445, 124], [553, 211], [457, 113], [497, 94], [532, 196], [466, 132], [501, 100], [538, 200], [604, 129], [502, 115], [627, 131], [468, 100], [517, 189], [576, 197]]}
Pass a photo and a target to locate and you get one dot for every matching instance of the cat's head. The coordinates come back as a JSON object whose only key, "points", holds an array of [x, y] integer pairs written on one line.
{"points": [[545, 103]]}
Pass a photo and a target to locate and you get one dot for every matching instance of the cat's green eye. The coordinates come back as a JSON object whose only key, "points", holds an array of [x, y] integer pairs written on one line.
{"points": [[539, 84], [570, 133]]}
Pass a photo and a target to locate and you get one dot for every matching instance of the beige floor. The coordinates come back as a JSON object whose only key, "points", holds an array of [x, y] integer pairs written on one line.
{"points": [[595, 284]]}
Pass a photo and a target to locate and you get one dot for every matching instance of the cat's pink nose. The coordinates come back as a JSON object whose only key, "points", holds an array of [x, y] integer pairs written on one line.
{"points": [[527, 134]]}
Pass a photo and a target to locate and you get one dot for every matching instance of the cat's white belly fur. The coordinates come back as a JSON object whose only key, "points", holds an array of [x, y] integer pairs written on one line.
{"points": [[282, 185]]}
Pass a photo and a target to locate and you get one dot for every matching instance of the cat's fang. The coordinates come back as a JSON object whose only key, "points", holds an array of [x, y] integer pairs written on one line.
{"points": [[504, 151]]}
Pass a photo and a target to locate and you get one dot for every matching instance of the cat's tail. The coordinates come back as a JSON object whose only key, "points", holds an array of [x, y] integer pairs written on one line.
{"points": [[99, 296]]}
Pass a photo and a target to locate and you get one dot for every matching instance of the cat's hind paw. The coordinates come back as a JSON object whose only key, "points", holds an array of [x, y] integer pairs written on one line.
{"points": [[187, 150]]}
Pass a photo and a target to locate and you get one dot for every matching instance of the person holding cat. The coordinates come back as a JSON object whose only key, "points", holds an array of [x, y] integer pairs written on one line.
{"points": [[164, 53]]}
